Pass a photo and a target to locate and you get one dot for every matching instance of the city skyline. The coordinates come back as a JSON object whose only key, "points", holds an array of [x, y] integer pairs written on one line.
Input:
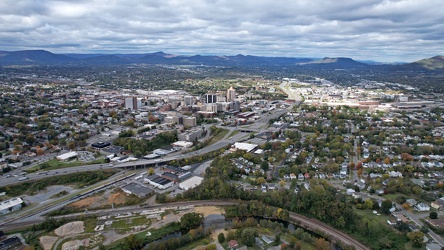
{"points": [[380, 30]]}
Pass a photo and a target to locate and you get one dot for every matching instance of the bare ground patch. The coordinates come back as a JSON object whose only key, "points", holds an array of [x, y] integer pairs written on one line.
{"points": [[101, 200], [47, 242], [70, 229], [207, 210], [75, 244]]}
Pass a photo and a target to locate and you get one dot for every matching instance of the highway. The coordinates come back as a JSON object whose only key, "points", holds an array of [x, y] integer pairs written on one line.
{"points": [[311, 224]]}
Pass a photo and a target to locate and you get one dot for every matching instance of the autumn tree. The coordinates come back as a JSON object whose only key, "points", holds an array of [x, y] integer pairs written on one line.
{"points": [[416, 237], [322, 244]]}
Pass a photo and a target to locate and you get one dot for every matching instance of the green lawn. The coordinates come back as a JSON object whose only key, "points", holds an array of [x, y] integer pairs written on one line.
{"points": [[233, 133], [193, 245], [56, 164], [219, 136], [126, 224], [381, 219]]}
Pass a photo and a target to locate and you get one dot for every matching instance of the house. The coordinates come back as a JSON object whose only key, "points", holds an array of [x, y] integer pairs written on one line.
{"points": [[411, 202], [301, 177], [233, 244], [395, 174], [422, 207], [307, 176], [350, 191], [292, 176], [438, 204]]}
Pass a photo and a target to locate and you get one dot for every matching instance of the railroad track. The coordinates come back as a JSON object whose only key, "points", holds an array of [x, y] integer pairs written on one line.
{"points": [[329, 232]]}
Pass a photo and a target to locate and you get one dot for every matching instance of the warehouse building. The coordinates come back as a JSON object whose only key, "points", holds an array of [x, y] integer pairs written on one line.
{"points": [[158, 181], [10, 205], [191, 183]]}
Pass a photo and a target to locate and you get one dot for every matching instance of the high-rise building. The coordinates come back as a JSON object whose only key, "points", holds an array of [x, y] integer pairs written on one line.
{"points": [[131, 103], [210, 98], [231, 94]]}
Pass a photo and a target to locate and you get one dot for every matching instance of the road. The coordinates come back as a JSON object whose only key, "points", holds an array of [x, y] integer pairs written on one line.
{"points": [[306, 222], [35, 213]]}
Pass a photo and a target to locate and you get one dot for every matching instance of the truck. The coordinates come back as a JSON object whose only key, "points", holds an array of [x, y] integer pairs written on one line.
{"points": [[23, 178]]}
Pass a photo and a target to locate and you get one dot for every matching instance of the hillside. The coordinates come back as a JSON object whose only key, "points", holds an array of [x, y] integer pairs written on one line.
{"points": [[436, 62]]}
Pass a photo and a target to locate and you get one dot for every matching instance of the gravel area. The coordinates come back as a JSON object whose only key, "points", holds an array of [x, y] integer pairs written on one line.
{"points": [[45, 195]]}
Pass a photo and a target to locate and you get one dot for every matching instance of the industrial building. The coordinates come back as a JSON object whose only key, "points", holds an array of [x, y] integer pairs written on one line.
{"points": [[10, 205], [158, 181], [68, 156], [191, 183]]}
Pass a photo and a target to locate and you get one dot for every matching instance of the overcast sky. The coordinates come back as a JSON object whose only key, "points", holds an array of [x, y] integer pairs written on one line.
{"points": [[381, 30]]}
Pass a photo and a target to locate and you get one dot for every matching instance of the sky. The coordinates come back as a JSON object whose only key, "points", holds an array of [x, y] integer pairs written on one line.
{"points": [[379, 30]]}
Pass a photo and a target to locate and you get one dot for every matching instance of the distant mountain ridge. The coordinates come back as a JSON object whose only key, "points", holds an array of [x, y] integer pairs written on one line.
{"points": [[436, 62], [43, 57]]}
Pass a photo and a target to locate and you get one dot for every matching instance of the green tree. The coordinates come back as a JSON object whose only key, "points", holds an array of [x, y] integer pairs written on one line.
{"points": [[248, 236], [191, 220], [386, 205], [221, 237], [433, 215], [265, 166]]}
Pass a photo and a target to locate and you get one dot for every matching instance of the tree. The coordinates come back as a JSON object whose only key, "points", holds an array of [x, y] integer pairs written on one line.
{"points": [[386, 205], [433, 215], [151, 171], [260, 180], [191, 220], [248, 237], [368, 204], [265, 166], [221, 237], [416, 237], [322, 244]]}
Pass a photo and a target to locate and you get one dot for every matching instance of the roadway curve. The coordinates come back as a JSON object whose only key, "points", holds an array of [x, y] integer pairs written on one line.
{"points": [[308, 223]]}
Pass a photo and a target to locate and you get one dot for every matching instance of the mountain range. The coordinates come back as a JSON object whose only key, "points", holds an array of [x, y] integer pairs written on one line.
{"points": [[43, 57]]}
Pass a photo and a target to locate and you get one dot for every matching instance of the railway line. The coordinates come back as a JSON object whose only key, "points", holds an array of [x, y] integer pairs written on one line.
{"points": [[333, 234]]}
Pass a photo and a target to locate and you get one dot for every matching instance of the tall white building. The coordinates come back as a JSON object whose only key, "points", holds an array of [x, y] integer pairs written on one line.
{"points": [[131, 103], [231, 94]]}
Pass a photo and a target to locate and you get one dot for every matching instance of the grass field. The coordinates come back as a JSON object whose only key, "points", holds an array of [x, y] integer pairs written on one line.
{"points": [[56, 164]]}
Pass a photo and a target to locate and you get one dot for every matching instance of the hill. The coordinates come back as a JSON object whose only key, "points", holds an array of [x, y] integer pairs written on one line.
{"points": [[335, 63], [32, 57], [436, 62]]}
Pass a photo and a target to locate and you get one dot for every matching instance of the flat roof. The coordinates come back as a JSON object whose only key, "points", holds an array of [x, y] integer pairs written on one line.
{"points": [[10, 203], [138, 189], [158, 179], [66, 156], [245, 146], [191, 183]]}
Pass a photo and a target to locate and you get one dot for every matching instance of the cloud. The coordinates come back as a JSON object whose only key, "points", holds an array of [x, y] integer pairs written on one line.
{"points": [[384, 30]]}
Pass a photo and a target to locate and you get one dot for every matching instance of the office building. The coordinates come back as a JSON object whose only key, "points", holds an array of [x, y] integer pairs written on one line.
{"points": [[231, 94], [210, 98]]}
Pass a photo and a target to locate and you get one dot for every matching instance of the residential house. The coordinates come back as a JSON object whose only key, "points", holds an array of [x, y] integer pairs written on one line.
{"points": [[438, 204], [411, 202], [422, 207]]}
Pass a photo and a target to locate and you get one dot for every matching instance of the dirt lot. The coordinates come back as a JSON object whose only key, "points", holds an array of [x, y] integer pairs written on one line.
{"points": [[70, 229], [101, 200], [207, 210], [47, 242]]}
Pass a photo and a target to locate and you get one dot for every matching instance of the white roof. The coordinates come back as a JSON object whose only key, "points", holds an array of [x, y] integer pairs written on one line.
{"points": [[10, 203], [183, 144], [191, 183], [245, 146], [67, 155]]}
